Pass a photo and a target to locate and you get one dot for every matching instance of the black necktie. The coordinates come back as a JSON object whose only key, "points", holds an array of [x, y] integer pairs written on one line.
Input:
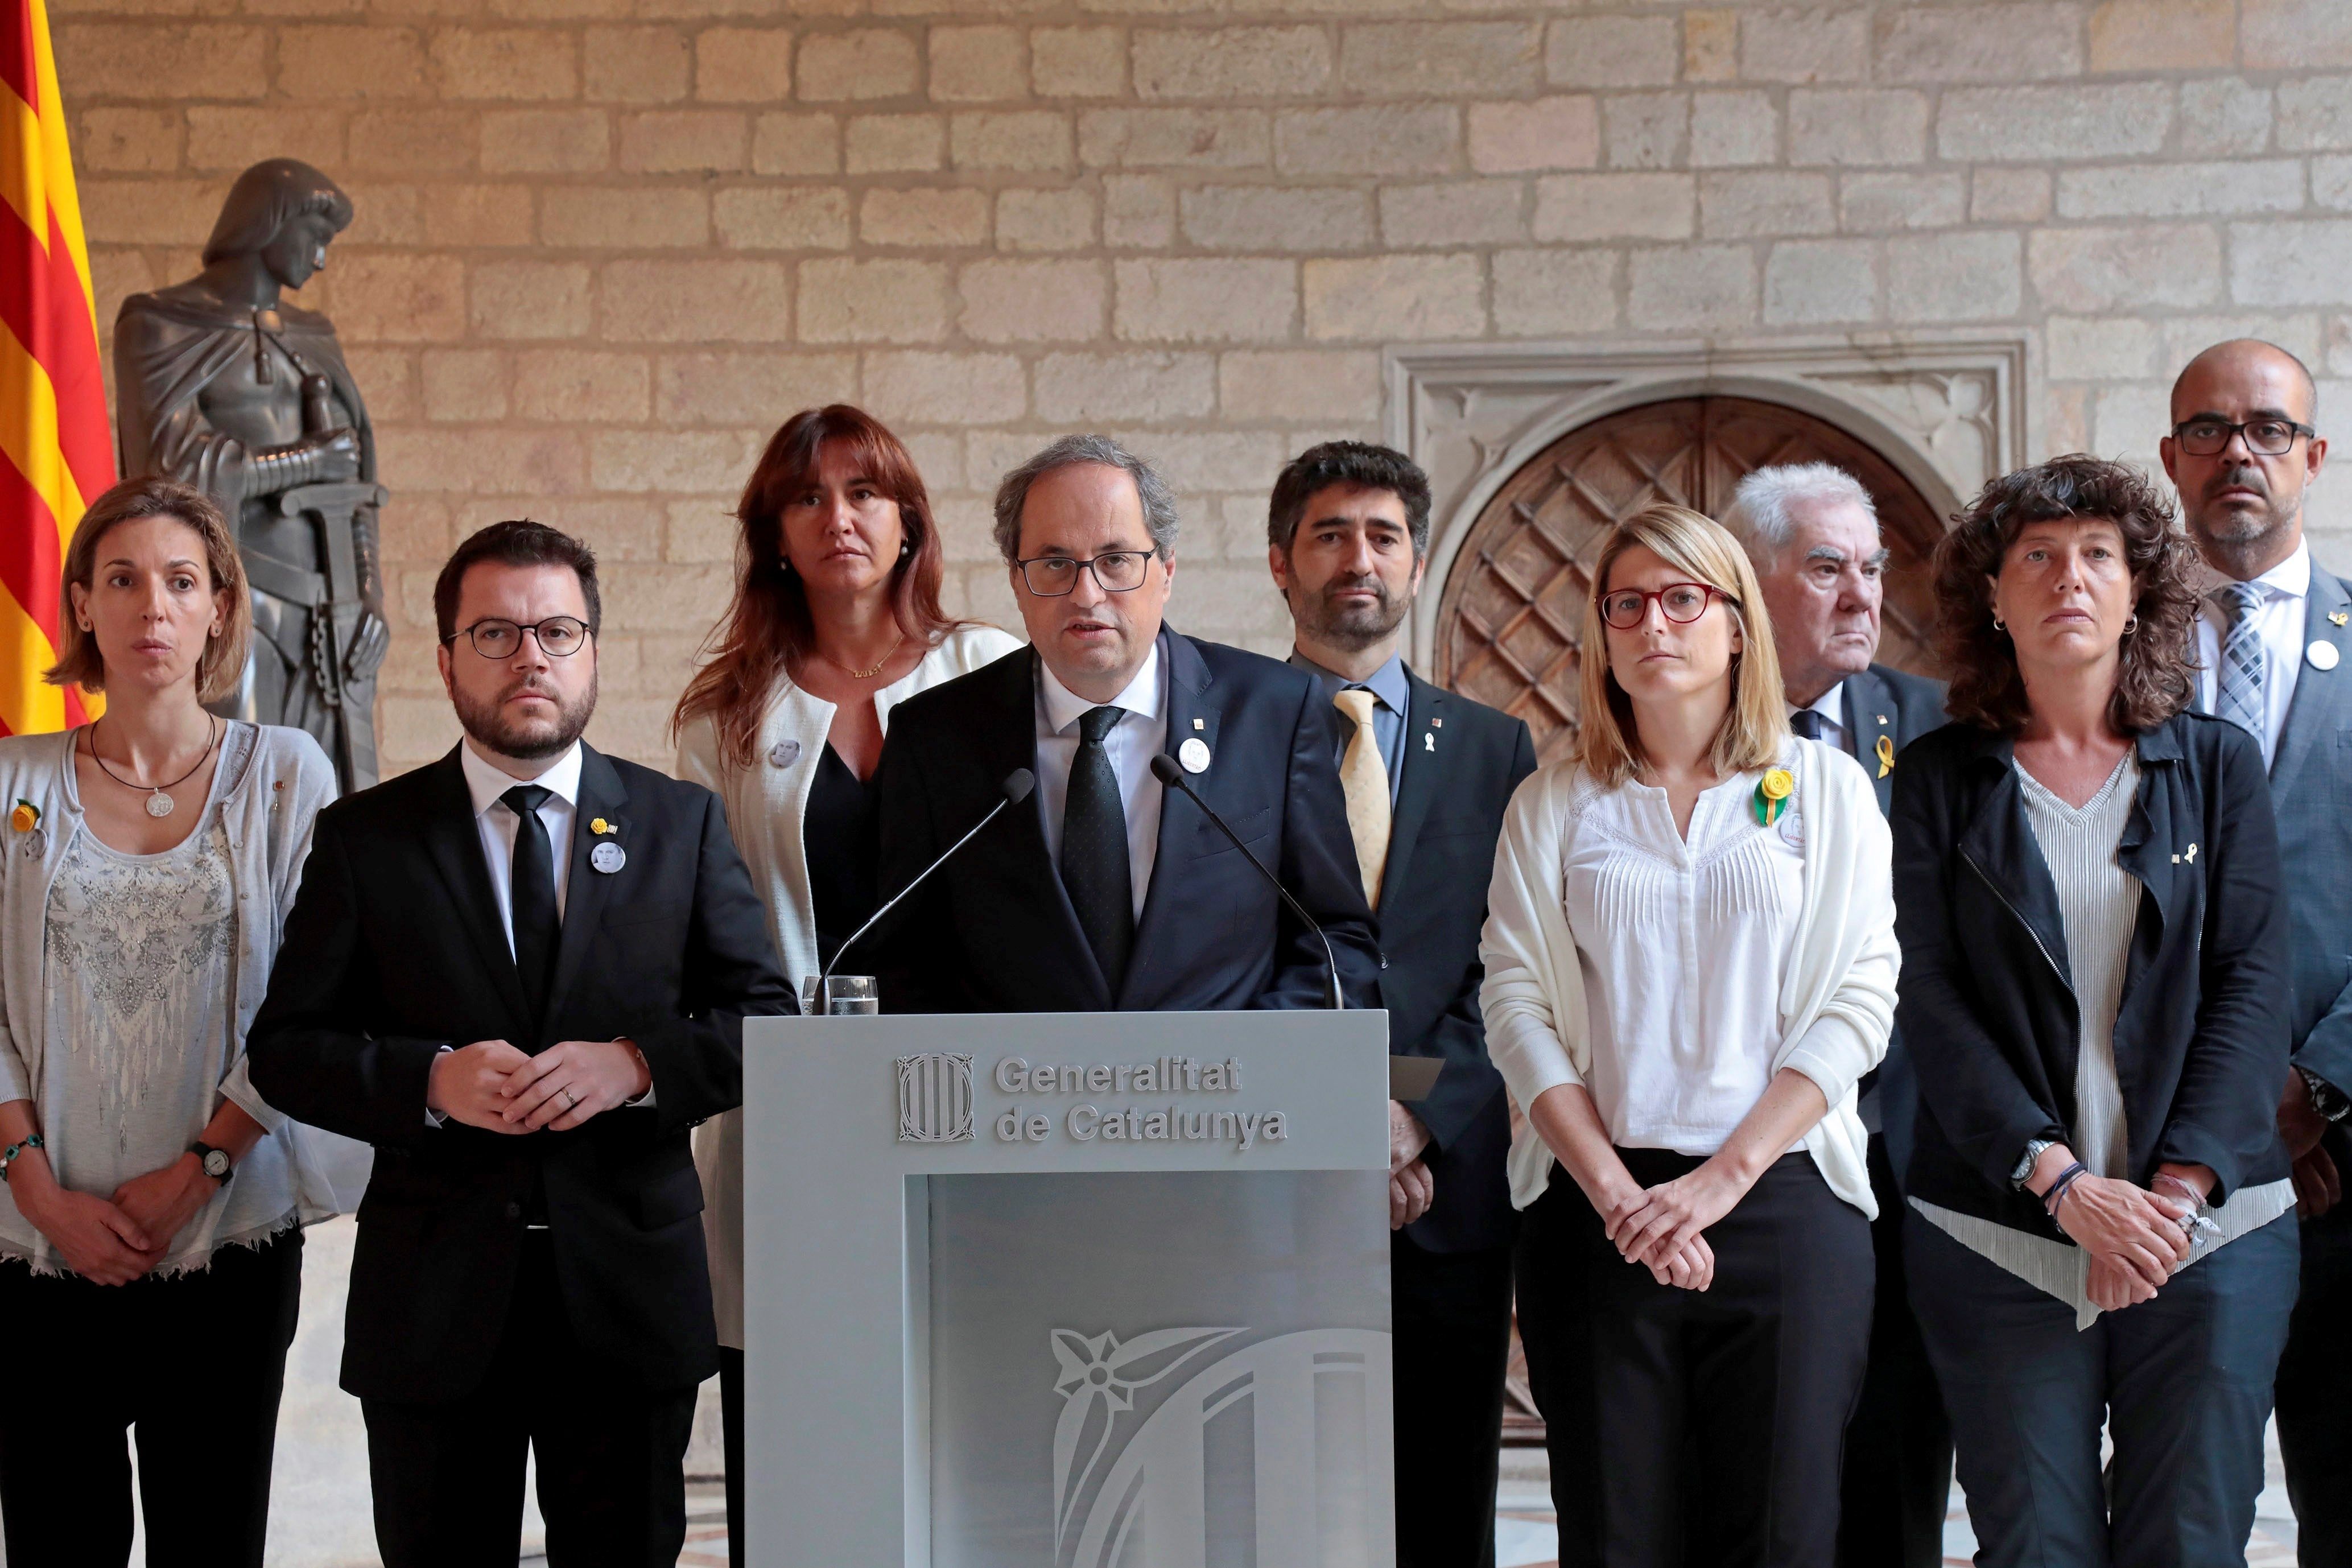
{"points": [[1094, 849], [533, 897], [1807, 723]]}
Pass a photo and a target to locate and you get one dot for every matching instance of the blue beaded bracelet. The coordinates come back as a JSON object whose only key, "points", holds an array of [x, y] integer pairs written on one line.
{"points": [[8, 1155]]}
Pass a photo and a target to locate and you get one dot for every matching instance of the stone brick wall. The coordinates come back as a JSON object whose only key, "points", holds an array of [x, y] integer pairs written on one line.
{"points": [[603, 247]]}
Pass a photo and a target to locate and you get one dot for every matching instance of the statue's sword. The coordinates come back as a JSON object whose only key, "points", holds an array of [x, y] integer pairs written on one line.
{"points": [[334, 511]]}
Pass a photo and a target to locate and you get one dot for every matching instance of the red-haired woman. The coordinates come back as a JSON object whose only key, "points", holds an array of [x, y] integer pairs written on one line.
{"points": [[835, 620]]}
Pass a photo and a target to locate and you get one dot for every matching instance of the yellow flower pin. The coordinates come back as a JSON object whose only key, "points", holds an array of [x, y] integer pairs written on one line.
{"points": [[1772, 795], [600, 826], [26, 818]]}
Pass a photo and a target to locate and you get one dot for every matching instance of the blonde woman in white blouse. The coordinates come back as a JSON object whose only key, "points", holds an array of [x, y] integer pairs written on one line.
{"points": [[835, 620], [1690, 962]]}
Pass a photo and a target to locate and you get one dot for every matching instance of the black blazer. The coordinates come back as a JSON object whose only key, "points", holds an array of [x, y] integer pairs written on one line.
{"points": [[994, 931], [394, 950], [1884, 702], [1463, 760], [1987, 1005]]}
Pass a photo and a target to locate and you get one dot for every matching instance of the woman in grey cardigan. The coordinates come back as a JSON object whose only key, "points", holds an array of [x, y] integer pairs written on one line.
{"points": [[835, 621], [149, 1219]]}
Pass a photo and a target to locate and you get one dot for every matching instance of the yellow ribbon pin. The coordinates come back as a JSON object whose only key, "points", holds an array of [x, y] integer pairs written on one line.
{"points": [[1772, 795], [1886, 756]]}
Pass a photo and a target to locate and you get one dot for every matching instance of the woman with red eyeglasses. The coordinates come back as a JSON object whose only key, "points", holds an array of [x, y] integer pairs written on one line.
{"points": [[1690, 962]]}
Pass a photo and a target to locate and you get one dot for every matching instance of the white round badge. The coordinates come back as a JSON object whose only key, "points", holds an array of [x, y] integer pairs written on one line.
{"points": [[2323, 655], [1194, 754], [608, 857], [783, 753]]}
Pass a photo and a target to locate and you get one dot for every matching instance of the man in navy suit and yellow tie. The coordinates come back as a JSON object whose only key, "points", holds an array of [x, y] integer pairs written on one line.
{"points": [[1426, 774]]}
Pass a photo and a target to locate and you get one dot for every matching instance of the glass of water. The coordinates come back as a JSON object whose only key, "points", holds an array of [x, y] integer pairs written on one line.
{"points": [[852, 996]]}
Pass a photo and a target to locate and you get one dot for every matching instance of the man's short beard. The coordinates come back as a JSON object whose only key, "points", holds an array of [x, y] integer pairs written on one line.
{"points": [[1353, 629], [526, 745], [2243, 535]]}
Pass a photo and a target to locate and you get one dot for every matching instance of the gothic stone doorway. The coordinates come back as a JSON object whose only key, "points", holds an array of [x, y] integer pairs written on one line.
{"points": [[1513, 606]]}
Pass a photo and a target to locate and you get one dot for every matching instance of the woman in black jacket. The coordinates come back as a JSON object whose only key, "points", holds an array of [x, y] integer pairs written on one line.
{"points": [[2087, 891]]}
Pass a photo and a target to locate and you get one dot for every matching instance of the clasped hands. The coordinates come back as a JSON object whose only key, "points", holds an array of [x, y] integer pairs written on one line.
{"points": [[1660, 1227], [493, 1086], [1411, 1188], [2136, 1237]]}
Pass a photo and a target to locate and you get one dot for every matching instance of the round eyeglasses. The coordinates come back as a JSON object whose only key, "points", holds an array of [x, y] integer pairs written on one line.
{"points": [[1114, 572], [559, 636], [1681, 602], [2267, 437]]}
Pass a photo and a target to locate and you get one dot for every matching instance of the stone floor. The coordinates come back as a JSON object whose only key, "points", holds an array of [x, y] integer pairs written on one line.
{"points": [[319, 1504]]}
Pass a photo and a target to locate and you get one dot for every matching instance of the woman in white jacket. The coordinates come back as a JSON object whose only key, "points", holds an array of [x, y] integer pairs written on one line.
{"points": [[1690, 960], [835, 620]]}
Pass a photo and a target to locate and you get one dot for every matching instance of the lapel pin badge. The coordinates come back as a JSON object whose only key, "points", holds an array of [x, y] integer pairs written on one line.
{"points": [[1437, 722], [1428, 742], [1772, 795], [601, 828], [2321, 654], [1886, 754], [27, 819], [1200, 724], [783, 753], [1194, 754], [2189, 855], [608, 857], [2339, 618], [1882, 721]]}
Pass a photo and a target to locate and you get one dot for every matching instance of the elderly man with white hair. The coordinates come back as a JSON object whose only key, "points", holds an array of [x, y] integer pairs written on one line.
{"points": [[1812, 533]]}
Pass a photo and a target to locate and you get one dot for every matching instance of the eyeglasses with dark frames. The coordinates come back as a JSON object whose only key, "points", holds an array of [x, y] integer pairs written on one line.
{"points": [[1681, 602], [559, 636], [1114, 572], [2206, 437]]}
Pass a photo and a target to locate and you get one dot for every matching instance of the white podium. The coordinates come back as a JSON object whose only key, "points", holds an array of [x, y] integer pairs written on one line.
{"points": [[1067, 1290]]}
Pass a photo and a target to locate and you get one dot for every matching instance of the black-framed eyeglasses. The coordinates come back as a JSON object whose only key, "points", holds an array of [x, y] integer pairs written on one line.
{"points": [[1681, 602], [1114, 572], [559, 636], [2269, 437]]}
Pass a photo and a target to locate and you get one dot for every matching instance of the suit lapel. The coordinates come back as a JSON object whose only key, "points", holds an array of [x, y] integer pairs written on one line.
{"points": [[1193, 715], [2316, 709], [1869, 717], [1424, 737], [1007, 741], [453, 842], [586, 891]]}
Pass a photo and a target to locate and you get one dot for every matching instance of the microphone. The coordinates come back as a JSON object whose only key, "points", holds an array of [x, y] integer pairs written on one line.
{"points": [[1164, 769], [1016, 788]]}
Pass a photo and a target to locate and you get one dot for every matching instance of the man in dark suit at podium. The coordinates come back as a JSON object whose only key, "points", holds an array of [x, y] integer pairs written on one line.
{"points": [[522, 973], [1426, 774], [1812, 531], [1105, 891]]}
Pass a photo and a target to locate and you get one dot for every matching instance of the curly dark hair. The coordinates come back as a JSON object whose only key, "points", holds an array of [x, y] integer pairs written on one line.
{"points": [[2157, 678]]}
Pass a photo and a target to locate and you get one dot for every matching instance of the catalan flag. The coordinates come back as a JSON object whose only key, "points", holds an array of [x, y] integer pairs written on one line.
{"points": [[55, 455]]}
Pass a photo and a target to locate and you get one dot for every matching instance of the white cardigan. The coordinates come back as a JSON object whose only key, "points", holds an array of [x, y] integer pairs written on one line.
{"points": [[764, 806], [1837, 1000]]}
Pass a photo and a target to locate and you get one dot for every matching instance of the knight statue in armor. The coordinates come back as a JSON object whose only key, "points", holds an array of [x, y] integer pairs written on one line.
{"points": [[221, 383]]}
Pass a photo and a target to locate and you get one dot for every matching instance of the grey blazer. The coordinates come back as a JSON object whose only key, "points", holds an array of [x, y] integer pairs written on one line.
{"points": [[2311, 791]]}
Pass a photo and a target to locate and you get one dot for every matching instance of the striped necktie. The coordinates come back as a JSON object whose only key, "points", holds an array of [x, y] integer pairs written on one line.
{"points": [[2237, 685]]}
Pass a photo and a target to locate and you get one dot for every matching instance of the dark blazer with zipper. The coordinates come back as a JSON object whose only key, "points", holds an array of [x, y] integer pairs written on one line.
{"points": [[1988, 1008], [1462, 760], [395, 949], [994, 931]]}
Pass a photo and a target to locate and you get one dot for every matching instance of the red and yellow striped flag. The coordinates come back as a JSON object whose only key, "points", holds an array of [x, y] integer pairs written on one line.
{"points": [[55, 455]]}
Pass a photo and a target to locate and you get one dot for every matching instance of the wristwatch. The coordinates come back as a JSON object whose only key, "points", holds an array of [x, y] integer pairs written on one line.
{"points": [[215, 1161], [2033, 1152], [2330, 1101]]}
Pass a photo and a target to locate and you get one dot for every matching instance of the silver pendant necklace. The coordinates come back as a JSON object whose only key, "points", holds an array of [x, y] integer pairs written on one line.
{"points": [[159, 804]]}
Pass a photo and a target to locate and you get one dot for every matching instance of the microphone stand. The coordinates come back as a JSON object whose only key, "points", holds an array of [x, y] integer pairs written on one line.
{"points": [[1165, 769]]}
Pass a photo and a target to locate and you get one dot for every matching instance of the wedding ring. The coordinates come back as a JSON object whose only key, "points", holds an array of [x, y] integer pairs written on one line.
{"points": [[570, 1100]]}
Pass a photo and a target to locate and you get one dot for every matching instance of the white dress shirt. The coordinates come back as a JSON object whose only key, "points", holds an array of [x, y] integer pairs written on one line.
{"points": [[1830, 706], [2279, 617], [1140, 734], [497, 824]]}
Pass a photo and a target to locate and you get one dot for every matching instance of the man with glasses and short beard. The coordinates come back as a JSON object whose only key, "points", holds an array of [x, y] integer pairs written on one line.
{"points": [[521, 972], [1107, 893], [2273, 638], [1426, 774]]}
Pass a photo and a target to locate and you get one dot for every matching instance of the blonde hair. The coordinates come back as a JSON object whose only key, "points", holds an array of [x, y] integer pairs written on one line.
{"points": [[1756, 727], [221, 665]]}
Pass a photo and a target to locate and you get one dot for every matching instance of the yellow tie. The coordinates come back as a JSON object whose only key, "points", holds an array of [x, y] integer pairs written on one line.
{"points": [[1364, 776]]}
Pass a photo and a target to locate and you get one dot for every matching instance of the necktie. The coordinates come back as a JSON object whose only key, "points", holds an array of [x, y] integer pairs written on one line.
{"points": [[1364, 776], [1095, 867], [2237, 685], [1807, 723], [536, 926]]}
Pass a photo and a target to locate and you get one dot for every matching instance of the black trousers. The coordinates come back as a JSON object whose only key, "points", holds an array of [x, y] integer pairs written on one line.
{"points": [[730, 1426], [194, 1363], [1698, 1427], [2315, 1395], [1898, 1447], [448, 1478], [1450, 1315]]}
